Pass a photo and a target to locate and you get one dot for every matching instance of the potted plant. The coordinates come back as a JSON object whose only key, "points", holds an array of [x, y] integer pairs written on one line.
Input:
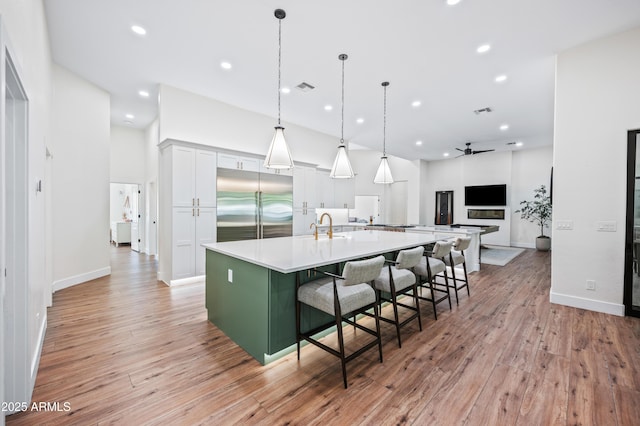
{"points": [[538, 211]]}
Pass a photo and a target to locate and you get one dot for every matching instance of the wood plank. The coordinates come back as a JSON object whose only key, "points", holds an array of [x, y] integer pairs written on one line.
{"points": [[126, 349]]}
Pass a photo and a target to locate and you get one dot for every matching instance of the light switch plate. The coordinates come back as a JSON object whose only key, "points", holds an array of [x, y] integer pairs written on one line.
{"points": [[230, 275], [607, 226], [564, 225]]}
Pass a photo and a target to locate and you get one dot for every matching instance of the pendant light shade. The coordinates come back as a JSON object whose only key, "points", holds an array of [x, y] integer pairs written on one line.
{"points": [[279, 156], [342, 166], [383, 175]]}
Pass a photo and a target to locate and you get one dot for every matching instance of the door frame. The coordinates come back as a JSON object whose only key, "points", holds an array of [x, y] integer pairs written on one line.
{"points": [[633, 137]]}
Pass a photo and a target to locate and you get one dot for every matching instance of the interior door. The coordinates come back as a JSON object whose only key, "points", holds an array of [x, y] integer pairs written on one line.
{"points": [[135, 219], [632, 240]]}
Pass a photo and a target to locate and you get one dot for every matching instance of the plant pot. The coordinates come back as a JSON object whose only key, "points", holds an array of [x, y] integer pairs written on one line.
{"points": [[543, 243]]}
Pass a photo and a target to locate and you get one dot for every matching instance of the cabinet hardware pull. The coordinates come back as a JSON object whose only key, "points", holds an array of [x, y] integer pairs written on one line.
{"points": [[198, 202], [193, 212], [198, 212], [193, 201]]}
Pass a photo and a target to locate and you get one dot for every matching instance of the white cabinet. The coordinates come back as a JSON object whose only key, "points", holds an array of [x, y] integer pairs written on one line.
{"points": [[237, 162], [324, 190], [192, 227], [266, 170], [193, 177], [344, 193], [189, 206], [302, 220], [120, 232], [304, 187]]}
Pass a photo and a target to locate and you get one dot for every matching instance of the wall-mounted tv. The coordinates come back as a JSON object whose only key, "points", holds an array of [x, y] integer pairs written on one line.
{"points": [[485, 195]]}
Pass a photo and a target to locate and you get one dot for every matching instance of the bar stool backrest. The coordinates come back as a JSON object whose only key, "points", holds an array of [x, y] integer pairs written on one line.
{"points": [[362, 271], [442, 249], [407, 259], [462, 243]]}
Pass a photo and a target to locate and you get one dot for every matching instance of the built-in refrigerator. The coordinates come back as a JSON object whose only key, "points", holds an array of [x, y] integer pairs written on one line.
{"points": [[253, 205]]}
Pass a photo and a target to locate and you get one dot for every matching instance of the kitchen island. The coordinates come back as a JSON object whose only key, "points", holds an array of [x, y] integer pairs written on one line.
{"points": [[251, 284]]}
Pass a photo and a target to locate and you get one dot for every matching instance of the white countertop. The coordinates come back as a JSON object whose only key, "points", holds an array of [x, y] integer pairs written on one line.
{"points": [[290, 254], [444, 229]]}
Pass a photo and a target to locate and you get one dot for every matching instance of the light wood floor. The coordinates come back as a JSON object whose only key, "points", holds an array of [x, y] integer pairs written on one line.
{"points": [[126, 349]]}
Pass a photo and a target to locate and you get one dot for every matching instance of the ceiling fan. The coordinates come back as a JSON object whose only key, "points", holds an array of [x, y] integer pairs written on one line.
{"points": [[469, 151]]}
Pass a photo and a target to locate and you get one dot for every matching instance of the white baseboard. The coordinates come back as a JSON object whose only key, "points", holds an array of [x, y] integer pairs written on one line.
{"points": [[523, 245], [35, 363], [588, 304], [81, 278], [185, 281]]}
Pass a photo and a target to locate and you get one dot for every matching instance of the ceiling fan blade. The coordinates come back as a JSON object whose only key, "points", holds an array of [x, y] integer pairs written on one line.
{"points": [[484, 150], [461, 150]]}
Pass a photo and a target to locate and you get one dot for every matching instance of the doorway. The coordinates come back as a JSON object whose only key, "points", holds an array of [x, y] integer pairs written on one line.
{"points": [[17, 377], [126, 215], [444, 208], [632, 236]]}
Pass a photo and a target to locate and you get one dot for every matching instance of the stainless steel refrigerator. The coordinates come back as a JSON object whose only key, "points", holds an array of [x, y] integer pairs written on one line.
{"points": [[253, 205]]}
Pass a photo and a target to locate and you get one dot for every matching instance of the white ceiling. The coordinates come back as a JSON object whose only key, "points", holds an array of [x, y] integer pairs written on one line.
{"points": [[424, 48]]}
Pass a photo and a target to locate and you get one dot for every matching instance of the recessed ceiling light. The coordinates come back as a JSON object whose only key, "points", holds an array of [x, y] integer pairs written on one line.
{"points": [[446, 154], [328, 107], [138, 30], [143, 93], [501, 78], [504, 127], [519, 144], [452, 2], [130, 116], [360, 120], [225, 65], [285, 90], [419, 143], [484, 48], [416, 104]]}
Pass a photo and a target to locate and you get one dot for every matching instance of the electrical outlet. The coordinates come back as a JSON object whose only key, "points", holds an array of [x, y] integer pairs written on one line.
{"points": [[591, 284], [230, 275], [607, 226], [564, 225]]}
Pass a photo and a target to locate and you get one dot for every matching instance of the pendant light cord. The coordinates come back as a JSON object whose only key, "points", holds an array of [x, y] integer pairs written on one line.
{"points": [[384, 125], [279, 63], [342, 125]]}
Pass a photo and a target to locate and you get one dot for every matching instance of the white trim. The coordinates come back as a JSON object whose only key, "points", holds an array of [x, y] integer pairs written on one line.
{"points": [[588, 304], [81, 278], [523, 245], [38, 351], [184, 281]]}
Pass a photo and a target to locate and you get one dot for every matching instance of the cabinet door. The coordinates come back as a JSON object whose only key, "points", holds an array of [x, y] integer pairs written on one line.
{"points": [[183, 243], [205, 176], [284, 172], [302, 220], [304, 187], [344, 193], [249, 164], [183, 176], [205, 234], [228, 161], [324, 190]]}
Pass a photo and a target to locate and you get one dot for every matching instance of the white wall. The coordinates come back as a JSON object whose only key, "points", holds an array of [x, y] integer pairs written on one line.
{"points": [[25, 25], [597, 102], [151, 139], [189, 117], [81, 135], [128, 159], [522, 171]]}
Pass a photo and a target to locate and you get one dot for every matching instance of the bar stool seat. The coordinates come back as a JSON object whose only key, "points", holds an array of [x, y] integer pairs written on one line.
{"points": [[398, 279], [342, 296], [432, 267], [456, 258]]}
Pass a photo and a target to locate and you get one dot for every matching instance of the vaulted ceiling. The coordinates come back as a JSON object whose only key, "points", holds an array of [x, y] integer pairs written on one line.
{"points": [[426, 49]]}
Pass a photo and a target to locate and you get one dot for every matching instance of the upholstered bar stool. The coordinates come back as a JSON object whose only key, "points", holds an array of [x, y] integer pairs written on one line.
{"points": [[342, 296], [455, 258], [431, 267], [396, 280]]}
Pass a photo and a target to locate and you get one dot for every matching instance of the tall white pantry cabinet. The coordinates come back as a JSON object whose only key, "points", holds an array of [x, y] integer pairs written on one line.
{"points": [[191, 205]]}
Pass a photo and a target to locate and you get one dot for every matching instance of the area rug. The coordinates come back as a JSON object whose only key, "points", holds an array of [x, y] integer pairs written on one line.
{"points": [[498, 255]]}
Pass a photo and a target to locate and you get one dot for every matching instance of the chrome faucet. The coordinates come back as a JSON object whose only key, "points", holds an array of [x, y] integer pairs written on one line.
{"points": [[315, 231], [330, 232]]}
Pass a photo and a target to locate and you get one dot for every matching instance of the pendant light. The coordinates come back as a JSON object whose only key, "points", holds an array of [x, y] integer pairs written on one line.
{"points": [[383, 175], [279, 156], [342, 166]]}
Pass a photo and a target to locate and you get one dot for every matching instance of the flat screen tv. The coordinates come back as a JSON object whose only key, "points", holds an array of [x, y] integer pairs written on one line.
{"points": [[485, 195]]}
